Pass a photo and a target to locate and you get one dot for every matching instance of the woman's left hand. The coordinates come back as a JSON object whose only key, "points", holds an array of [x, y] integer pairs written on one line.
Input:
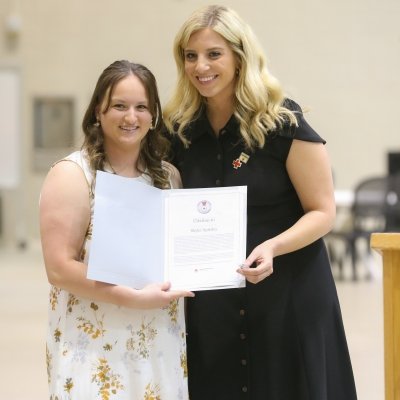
{"points": [[262, 256]]}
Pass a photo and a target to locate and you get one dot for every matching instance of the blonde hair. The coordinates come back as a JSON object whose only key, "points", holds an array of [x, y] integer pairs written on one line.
{"points": [[258, 95]]}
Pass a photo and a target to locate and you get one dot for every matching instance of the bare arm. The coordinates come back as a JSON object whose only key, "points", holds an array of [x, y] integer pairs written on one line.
{"points": [[310, 172], [64, 219]]}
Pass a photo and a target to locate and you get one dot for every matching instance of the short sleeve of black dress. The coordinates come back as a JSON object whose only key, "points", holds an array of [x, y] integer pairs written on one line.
{"points": [[273, 204], [301, 132]]}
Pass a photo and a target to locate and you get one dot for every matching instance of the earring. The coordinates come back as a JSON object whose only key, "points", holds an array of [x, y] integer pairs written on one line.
{"points": [[237, 71], [96, 124]]}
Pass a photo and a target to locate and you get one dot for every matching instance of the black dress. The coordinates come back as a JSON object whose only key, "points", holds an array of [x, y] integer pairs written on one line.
{"points": [[283, 338]]}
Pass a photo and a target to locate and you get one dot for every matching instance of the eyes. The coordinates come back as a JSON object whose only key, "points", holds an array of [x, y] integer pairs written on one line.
{"points": [[192, 56], [119, 106]]}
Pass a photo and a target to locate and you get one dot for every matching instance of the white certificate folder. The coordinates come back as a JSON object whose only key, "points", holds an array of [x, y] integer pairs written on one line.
{"points": [[194, 238]]}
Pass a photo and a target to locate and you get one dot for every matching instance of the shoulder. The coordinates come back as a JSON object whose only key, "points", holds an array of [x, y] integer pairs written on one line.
{"points": [[75, 159], [291, 105], [65, 185], [68, 173], [79, 159], [65, 173], [301, 131]]}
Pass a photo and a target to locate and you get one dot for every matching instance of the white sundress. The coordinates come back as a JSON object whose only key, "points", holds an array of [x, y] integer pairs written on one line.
{"points": [[100, 351]]}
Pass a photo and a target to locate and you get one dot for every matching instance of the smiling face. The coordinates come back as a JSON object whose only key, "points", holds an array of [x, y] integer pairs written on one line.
{"points": [[210, 64], [127, 120]]}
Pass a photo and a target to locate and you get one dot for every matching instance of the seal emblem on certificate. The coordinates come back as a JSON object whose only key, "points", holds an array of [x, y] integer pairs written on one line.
{"points": [[204, 206]]}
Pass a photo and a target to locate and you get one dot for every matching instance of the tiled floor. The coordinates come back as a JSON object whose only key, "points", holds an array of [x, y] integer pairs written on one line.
{"points": [[23, 317]]}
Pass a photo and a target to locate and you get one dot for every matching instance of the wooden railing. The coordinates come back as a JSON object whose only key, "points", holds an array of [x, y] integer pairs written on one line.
{"points": [[388, 245]]}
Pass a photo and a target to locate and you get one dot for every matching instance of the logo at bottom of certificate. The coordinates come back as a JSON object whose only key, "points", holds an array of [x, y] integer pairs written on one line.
{"points": [[203, 206]]}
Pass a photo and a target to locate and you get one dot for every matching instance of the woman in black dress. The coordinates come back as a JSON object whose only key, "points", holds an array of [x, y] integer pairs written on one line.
{"points": [[281, 337]]}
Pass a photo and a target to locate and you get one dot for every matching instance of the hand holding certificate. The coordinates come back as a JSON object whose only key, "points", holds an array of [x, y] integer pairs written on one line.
{"points": [[194, 238]]}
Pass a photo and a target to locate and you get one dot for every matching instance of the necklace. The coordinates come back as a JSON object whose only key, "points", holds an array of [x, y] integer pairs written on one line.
{"points": [[111, 167], [135, 175]]}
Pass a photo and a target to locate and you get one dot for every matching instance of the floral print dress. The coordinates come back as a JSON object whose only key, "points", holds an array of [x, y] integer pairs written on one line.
{"points": [[100, 351]]}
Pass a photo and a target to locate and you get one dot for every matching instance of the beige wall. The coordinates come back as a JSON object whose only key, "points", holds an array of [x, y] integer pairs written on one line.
{"points": [[340, 59]]}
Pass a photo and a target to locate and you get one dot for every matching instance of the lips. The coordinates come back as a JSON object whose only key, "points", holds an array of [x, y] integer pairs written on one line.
{"points": [[206, 79], [129, 128]]}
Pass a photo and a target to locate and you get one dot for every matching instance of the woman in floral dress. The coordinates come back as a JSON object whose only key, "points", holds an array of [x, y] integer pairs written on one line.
{"points": [[108, 341]]}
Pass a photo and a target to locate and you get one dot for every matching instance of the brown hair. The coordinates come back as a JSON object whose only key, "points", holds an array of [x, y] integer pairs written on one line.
{"points": [[154, 146]]}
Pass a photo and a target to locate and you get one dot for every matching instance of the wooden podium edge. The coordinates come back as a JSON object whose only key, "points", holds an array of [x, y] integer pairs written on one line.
{"points": [[385, 241], [388, 245]]}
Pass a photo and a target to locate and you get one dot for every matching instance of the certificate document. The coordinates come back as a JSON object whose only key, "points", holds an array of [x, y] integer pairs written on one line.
{"points": [[194, 238]]}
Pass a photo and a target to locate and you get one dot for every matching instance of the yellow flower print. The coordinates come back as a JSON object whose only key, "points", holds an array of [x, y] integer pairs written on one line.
{"points": [[130, 344], [88, 236], [184, 364], [141, 340], [49, 359], [57, 334], [89, 231], [108, 382], [72, 301], [83, 254], [68, 385], [89, 328], [173, 310], [96, 329], [152, 392], [108, 347], [54, 293], [146, 335]]}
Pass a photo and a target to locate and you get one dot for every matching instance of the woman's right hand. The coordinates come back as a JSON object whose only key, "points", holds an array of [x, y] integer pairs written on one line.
{"points": [[158, 295]]}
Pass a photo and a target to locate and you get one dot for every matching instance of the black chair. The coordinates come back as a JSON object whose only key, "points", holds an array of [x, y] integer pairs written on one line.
{"points": [[376, 208], [393, 204]]}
